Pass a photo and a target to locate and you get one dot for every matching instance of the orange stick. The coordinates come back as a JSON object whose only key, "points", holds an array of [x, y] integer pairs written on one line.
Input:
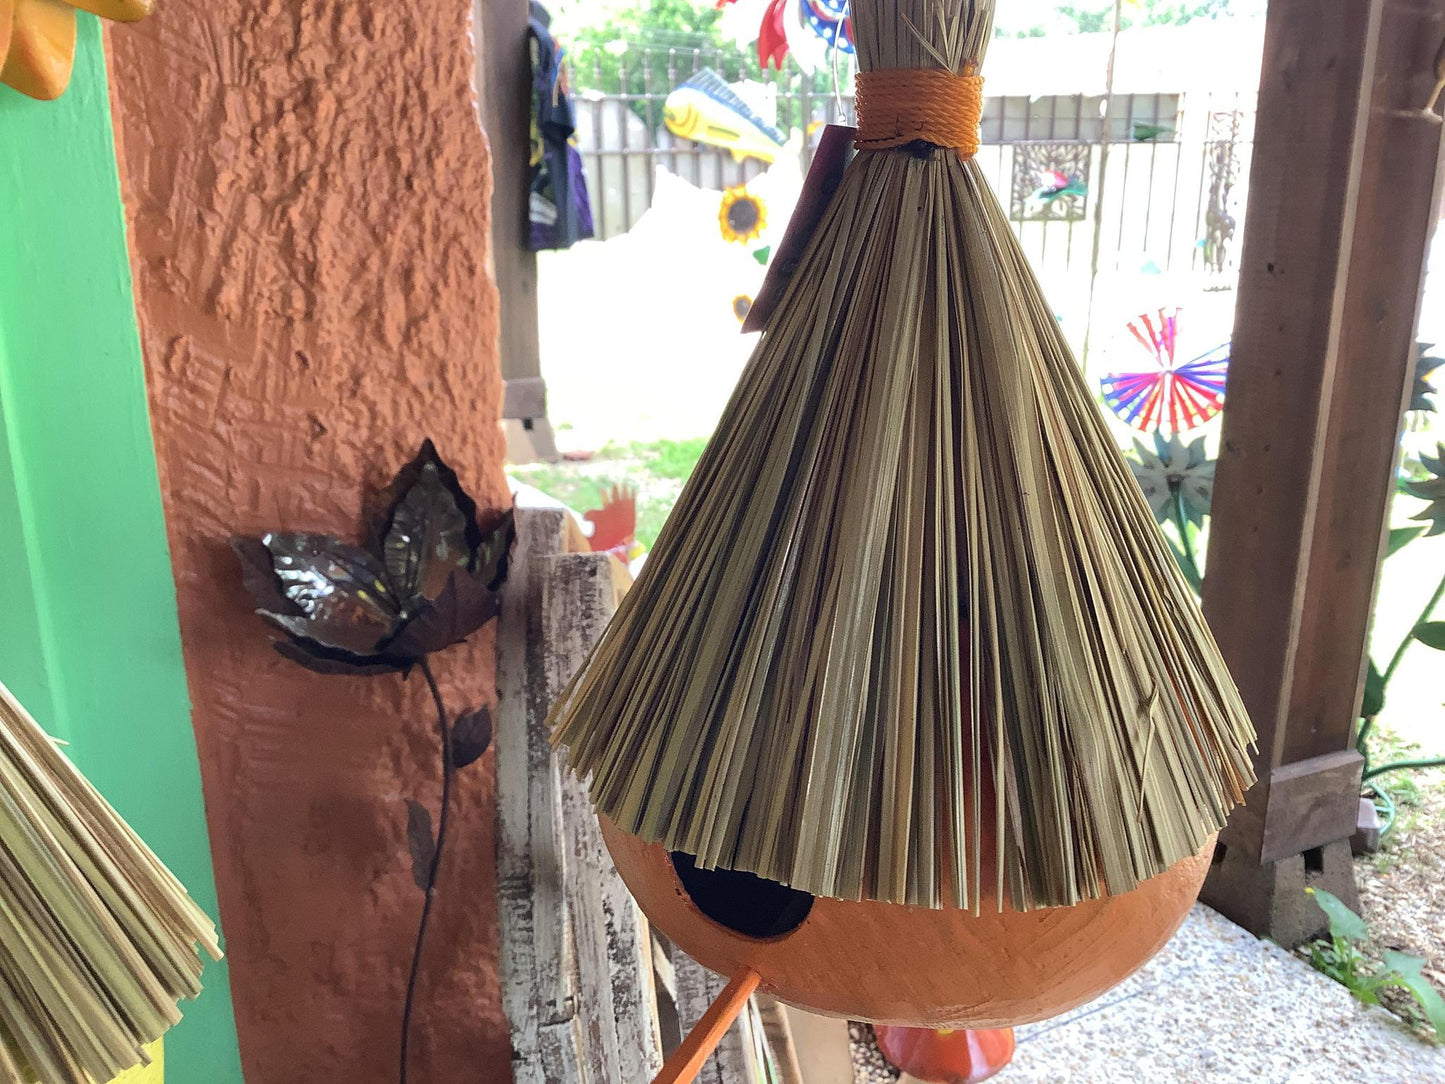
{"points": [[687, 1059]]}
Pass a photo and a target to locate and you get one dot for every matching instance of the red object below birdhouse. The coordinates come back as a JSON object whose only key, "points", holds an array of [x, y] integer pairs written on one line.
{"points": [[949, 1055]]}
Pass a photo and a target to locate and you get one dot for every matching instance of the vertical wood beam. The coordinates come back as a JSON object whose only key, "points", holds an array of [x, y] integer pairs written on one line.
{"points": [[1343, 191], [504, 86]]}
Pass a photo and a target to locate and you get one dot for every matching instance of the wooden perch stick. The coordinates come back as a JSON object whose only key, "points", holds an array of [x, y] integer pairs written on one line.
{"points": [[687, 1059]]}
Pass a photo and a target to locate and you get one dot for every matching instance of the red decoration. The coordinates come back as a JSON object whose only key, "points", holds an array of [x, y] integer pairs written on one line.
{"points": [[949, 1056], [614, 525], [772, 35]]}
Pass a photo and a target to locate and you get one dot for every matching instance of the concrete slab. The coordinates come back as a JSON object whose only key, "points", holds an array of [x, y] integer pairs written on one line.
{"points": [[1216, 1006]]}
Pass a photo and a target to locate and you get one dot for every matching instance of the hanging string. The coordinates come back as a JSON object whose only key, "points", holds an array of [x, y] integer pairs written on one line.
{"points": [[897, 106]]}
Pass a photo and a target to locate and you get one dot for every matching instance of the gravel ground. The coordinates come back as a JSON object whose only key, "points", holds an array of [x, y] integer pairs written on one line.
{"points": [[1402, 897], [869, 1065], [1402, 888]]}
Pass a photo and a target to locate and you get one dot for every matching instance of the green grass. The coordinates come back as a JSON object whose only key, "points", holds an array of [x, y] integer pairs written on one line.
{"points": [[656, 469], [672, 459]]}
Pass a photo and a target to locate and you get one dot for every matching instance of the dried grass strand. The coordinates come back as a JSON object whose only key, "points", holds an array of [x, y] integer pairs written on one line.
{"points": [[98, 939], [911, 633]]}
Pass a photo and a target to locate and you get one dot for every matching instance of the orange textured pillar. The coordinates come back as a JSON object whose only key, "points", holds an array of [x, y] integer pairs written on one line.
{"points": [[307, 185]]}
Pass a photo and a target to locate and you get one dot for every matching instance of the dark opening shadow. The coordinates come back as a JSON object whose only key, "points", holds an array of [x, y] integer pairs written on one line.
{"points": [[743, 902]]}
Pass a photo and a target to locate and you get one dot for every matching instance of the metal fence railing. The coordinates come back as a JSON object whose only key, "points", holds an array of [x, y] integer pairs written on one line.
{"points": [[1146, 179]]}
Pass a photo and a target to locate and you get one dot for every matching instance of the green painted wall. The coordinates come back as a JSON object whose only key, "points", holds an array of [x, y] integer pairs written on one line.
{"points": [[89, 638]]}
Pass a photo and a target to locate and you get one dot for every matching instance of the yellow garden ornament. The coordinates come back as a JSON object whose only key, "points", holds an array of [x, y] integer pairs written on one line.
{"points": [[37, 40]]}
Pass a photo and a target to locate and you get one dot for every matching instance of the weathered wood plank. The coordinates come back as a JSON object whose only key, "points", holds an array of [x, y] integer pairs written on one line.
{"points": [[612, 939], [577, 969], [822, 1046], [697, 988], [1306, 809], [519, 700], [1313, 106]]}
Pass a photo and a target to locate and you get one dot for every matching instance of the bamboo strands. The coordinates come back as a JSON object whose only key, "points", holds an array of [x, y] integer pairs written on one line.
{"points": [[97, 938], [911, 624]]}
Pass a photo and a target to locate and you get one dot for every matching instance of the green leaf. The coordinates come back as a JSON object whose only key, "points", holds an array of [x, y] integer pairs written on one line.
{"points": [[1344, 923], [1407, 974], [1400, 537], [1374, 698], [1431, 634]]}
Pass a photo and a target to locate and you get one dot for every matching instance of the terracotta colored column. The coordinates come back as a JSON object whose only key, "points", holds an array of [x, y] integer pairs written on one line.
{"points": [[307, 185]]}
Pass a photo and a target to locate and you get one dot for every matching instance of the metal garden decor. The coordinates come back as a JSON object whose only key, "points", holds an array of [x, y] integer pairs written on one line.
{"points": [[426, 580]]}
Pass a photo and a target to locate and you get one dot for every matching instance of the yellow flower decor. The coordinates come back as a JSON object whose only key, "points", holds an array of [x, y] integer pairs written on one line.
{"points": [[742, 217], [37, 40]]}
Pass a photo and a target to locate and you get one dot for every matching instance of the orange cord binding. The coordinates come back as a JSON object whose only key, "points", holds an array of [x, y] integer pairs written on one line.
{"points": [[902, 105]]}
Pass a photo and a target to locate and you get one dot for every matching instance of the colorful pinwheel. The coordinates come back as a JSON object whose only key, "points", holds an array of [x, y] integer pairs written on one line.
{"points": [[785, 27], [1168, 393], [829, 19]]}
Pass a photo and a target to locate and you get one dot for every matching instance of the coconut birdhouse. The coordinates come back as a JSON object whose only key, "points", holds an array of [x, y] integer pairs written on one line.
{"points": [[911, 716]]}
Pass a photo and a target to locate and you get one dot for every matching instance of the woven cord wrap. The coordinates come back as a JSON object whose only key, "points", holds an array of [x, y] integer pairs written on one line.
{"points": [[897, 106]]}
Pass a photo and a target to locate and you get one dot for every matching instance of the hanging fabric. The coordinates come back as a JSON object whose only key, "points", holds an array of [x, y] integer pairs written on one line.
{"points": [[559, 213]]}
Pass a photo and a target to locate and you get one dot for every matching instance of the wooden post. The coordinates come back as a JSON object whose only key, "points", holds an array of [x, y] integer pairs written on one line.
{"points": [[504, 86], [584, 980], [1343, 193]]}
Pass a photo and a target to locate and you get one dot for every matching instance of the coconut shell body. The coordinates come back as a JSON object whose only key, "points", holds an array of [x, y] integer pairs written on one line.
{"points": [[926, 967]]}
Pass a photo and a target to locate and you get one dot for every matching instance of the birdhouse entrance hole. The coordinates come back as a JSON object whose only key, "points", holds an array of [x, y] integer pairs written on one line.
{"points": [[747, 904]]}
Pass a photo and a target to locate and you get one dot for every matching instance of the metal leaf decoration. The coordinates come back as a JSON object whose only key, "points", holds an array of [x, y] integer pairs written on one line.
{"points": [[425, 470], [427, 538], [471, 735], [426, 580], [340, 589], [464, 605], [420, 842], [495, 552]]}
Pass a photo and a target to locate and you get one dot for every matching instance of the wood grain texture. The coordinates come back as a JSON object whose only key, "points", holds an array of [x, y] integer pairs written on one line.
{"points": [[518, 747], [925, 967], [576, 953], [1285, 351], [1396, 203], [1306, 806], [1322, 366]]}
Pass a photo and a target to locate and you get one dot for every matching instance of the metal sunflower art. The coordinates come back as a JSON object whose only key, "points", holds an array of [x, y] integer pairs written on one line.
{"points": [[1422, 390], [1178, 482], [742, 216], [426, 579], [1431, 490]]}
